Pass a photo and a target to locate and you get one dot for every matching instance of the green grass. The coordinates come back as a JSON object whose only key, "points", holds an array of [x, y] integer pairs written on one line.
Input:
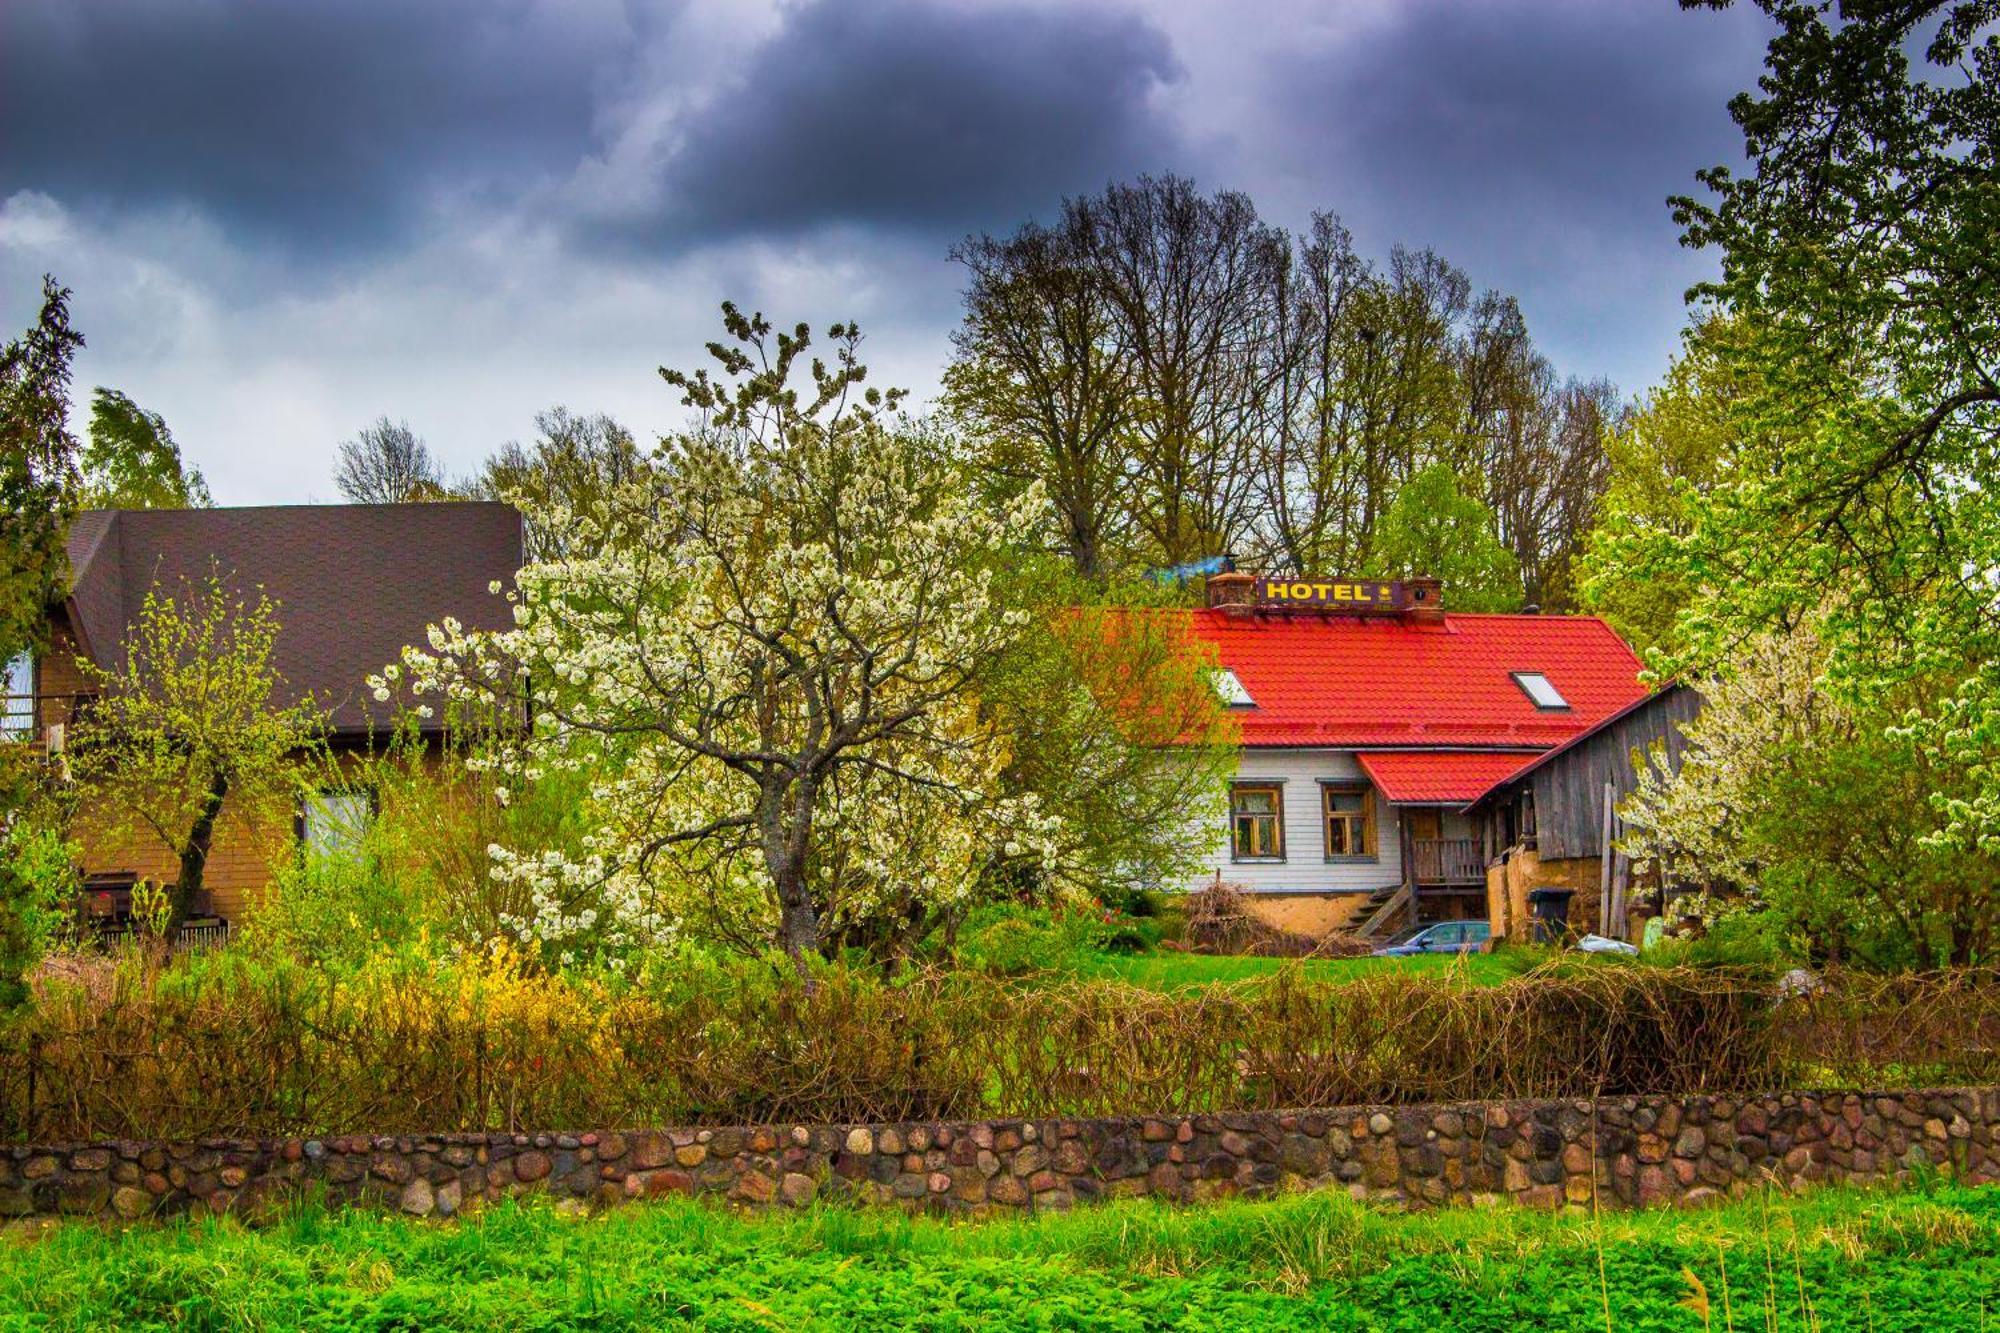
{"points": [[1173, 971], [1838, 1260]]}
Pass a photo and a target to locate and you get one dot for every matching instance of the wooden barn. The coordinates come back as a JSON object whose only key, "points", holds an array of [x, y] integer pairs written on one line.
{"points": [[1554, 821]]}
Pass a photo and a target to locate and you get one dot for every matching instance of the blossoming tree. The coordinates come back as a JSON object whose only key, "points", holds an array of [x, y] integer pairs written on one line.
{"points": [[766, 666]]}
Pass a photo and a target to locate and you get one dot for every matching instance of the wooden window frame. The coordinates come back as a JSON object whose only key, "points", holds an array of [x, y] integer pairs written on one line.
{"points": [[1277, 789], [1371, 849]]}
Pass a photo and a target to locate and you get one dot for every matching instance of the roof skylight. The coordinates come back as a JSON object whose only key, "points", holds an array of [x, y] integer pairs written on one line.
{"points": [[1540, 690], [1230, 690]]}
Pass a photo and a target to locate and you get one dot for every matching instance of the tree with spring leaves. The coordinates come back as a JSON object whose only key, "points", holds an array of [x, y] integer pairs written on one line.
{"points": [[1803, 802], [765, 662], [133, 462], [1433, 528], [1863, 468], [194, 715]]}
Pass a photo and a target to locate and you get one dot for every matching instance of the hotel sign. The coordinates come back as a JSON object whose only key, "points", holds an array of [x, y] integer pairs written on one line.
{"points": [[1354, 596]]}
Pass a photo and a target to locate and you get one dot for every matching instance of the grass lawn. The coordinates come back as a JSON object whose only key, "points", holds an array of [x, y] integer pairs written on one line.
{"points": [[1838, 1260], [1170, 971]]}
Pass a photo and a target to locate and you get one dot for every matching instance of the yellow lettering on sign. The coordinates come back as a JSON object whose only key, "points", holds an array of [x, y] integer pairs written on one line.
{"points": [[1302, 592], [1343, 592], [1277, 592]]}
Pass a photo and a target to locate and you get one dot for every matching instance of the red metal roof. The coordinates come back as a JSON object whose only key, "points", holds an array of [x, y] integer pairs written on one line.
{"points": [[1439, 777], [1353, 683]]}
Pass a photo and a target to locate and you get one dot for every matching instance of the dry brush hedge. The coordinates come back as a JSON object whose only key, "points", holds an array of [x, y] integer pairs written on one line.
{"points": [[257, 1051]]}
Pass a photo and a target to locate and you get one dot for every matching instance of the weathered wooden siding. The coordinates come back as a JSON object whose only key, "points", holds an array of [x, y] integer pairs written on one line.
{"points": [[1569, 790]]}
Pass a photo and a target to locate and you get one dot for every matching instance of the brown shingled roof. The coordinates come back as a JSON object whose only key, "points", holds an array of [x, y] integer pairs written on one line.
{"points": [[354, 584]]}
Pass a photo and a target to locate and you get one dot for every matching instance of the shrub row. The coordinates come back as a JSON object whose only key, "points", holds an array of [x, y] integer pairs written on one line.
{"points": [[223, 1049]]}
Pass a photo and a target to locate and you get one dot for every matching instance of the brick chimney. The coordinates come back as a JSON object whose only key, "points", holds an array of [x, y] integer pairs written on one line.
{"points": [[1426, 601], [1232, 589]]}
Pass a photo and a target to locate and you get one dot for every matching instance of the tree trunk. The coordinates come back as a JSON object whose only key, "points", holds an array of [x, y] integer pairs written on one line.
{"points": [[798, 923], [194, 855]]}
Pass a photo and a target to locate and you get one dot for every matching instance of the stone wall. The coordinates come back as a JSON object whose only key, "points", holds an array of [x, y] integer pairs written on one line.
{"points": [[1628, 1150]]}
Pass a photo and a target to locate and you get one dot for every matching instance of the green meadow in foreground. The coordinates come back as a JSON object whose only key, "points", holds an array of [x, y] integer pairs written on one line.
{"points": [[1836, 1260]]}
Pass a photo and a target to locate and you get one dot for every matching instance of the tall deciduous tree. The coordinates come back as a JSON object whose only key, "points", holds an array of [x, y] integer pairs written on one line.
{"points": [[1435, 529], [193, 715], [1865, 454], [132, 461], [1043, 385], [38, 476], [1186, 379], [387, 464], [573, 463]]}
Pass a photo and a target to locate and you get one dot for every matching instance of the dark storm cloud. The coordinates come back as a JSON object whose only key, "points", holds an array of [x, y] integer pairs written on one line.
{"points": [[911, 115], [320, 124], [1534, 145], [1577, 106]]}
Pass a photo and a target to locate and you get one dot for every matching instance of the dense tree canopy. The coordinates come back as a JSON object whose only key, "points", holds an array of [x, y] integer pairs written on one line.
{"points": [[1433, 528], [1861, 473], [1185, 379], [132, 462]]}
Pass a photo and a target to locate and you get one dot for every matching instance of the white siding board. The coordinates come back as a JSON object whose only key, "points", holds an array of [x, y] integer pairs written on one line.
{"points": [[1305, 868]]}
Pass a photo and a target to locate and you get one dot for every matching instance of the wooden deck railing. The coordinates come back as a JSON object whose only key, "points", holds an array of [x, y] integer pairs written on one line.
{"points": [[194, 937], [1449, 861]]}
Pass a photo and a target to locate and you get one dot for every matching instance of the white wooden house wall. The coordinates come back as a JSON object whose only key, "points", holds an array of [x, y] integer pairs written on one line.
{"points": [[1305, 868]]}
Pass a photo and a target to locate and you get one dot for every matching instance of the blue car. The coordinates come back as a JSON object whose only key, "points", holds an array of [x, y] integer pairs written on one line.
{"points": [[1444, 937]]}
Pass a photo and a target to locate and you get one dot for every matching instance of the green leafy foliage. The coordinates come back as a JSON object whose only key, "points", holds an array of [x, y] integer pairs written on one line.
{"points": [[1841, 1262], [1862, 474], [38, 478], [1434, 528], [1823, 809], [1663, 462], [38, 884], [132, 461]]}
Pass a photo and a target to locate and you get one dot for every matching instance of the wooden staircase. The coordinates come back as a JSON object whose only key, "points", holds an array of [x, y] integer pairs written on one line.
{"points": [[1384, 911]]}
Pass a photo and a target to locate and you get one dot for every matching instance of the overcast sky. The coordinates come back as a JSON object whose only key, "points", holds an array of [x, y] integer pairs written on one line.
{"points": [[282, 220]]}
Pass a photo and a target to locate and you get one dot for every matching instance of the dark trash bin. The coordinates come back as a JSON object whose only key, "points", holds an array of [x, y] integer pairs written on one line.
{"points": [[1550, 907]]}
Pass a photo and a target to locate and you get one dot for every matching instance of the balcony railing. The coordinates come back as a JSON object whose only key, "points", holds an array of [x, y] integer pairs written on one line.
{"points": [[1449, 861]]}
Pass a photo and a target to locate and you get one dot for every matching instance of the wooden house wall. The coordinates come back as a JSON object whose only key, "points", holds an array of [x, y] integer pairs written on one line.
{"points": [[1569, 791]]}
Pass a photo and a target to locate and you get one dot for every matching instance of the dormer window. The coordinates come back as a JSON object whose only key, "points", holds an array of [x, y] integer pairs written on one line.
{"points": [[1230, 690], [1541, 691]]}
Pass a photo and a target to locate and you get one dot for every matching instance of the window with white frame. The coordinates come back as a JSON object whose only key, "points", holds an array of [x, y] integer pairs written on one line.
{"points": [[17, 699]]}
